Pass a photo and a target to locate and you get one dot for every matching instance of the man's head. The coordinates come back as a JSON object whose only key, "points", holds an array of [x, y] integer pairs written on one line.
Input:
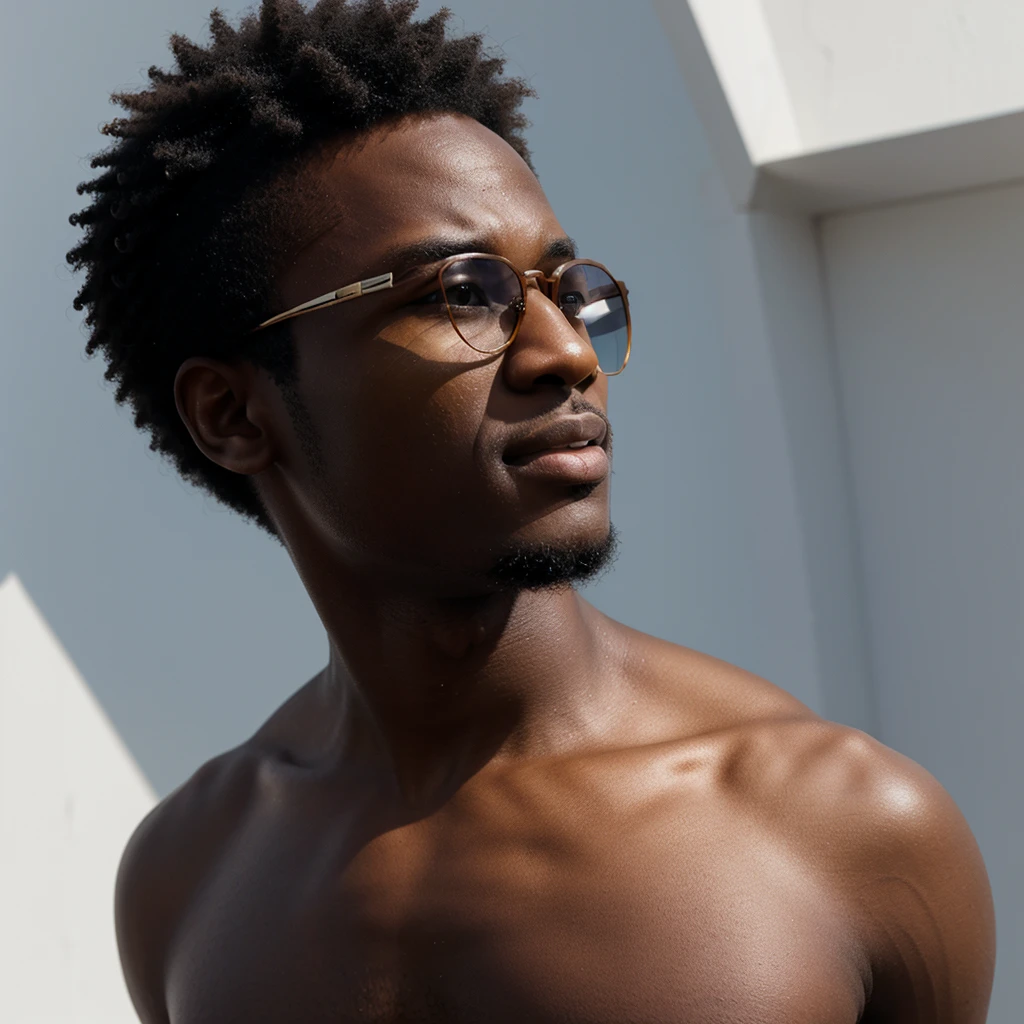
{"points": [[303, 151]]}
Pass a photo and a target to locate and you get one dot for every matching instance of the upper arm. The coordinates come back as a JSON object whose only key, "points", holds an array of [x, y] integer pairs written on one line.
{"points": [[163, 864], [921, 897], [141, 919]]}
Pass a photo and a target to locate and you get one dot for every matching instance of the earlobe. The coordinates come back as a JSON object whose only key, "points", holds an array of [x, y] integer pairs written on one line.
{"points": [[223, 412]]}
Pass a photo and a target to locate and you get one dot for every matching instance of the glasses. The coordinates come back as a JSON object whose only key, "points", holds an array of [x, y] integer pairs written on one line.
{"points": [[485, 299]]}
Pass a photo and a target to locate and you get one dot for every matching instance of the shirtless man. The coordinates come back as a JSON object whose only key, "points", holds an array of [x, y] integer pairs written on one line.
{"points": [[494, 804]]}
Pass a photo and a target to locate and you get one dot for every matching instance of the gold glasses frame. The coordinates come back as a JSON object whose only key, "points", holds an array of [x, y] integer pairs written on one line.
{"points": [[547, 284]]}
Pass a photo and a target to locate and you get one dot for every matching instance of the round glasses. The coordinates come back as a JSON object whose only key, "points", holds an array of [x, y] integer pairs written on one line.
{"points": [[485, 296]]}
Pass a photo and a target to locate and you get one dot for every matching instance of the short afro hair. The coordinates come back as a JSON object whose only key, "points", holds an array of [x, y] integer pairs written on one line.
{"points": [[181, 239]]}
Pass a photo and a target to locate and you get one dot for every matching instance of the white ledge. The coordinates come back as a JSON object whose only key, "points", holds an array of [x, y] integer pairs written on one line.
{"points": [[976, 154], [824, 106]]}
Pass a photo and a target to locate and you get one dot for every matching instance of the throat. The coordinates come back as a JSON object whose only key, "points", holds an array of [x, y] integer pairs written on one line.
{"points": [[465, 628]]}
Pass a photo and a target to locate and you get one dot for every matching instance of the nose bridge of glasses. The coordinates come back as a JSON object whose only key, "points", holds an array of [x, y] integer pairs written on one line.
{"points": [[539, 280]]}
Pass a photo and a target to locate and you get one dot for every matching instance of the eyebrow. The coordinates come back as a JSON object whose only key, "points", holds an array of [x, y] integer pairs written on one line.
{"points": [[433, 250], [560, 249]]}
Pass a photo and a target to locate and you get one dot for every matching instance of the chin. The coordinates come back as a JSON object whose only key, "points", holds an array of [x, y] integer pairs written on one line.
{"points": [[584, 518], [544, 566], [538, 559]]}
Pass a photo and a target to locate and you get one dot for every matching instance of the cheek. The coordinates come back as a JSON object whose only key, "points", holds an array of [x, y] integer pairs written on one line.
{"points": [[400, 431], [414, 408]]}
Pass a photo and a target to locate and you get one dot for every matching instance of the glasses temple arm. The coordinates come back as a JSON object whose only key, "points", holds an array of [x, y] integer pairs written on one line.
{"points": [[349, 291]]}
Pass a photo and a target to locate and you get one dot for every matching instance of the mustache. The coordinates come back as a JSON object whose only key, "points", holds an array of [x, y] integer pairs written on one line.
{"points": [[575, 404]]}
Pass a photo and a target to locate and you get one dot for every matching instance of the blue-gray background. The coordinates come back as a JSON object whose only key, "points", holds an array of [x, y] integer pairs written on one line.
{"points": [[191, 626]]}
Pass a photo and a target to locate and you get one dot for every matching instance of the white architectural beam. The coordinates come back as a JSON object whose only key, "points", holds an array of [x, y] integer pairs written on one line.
{"points": [[955, 158], [823, 106]]}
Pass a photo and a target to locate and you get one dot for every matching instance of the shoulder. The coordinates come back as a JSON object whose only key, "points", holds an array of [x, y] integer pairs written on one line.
{"points": [[164, 863], [715, 695], [885, 836]]}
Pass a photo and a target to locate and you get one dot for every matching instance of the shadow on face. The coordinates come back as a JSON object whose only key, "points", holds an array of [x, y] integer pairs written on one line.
{"points": [[411, 426]]}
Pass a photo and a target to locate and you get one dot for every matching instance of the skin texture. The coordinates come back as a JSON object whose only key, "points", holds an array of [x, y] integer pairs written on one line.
{"points": [[504, 806]]}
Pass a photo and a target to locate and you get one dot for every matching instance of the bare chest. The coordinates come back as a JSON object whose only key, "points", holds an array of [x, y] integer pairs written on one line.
{"points": [[660, 919]]}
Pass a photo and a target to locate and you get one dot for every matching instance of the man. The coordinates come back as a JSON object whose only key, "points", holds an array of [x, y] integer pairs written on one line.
{"points": [[328, 282]]}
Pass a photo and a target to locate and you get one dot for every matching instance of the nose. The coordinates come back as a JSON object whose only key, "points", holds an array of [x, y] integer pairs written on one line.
{"points": [[547, 349]]}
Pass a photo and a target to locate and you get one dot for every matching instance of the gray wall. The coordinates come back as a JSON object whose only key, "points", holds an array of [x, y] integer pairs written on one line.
{"points": [[189, 625], [928, 305]]}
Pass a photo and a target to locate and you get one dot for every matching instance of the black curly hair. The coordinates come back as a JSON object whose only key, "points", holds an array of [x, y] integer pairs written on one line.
{"points": [[187, 216]]}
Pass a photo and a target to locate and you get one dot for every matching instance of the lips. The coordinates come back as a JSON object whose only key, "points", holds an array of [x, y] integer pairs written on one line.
{"points": [[567, 451], [568, 434]]}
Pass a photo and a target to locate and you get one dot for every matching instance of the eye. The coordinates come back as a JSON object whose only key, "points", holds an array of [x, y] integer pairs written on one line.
{"points": [[466, 293], [571, 304]]}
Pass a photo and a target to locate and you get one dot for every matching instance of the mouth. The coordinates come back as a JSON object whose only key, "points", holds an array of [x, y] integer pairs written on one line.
{"points": [[570, 450]]}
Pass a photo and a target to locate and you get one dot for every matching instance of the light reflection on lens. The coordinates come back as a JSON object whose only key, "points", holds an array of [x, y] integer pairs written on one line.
{"points": [[594, 305]]}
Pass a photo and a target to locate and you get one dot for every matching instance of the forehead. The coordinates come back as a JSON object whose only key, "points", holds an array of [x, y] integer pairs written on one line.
{"points": [[424, 177]]}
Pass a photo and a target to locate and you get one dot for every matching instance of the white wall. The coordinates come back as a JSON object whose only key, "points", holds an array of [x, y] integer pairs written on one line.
{"points": [[824, 105], [807, 75], [928, 307], [871, 68], [70, 796], [744, 63]]}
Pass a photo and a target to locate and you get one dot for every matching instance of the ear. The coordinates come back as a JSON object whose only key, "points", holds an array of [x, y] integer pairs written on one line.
{"points": [[227, 411]]}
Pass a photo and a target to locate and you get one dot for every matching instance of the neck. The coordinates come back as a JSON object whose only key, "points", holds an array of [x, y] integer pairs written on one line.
{"points": [[425, 689]]}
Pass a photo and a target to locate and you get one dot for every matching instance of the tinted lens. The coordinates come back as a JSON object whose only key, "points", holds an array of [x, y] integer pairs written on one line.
{"points": [[594, 305], [484, 300]]}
